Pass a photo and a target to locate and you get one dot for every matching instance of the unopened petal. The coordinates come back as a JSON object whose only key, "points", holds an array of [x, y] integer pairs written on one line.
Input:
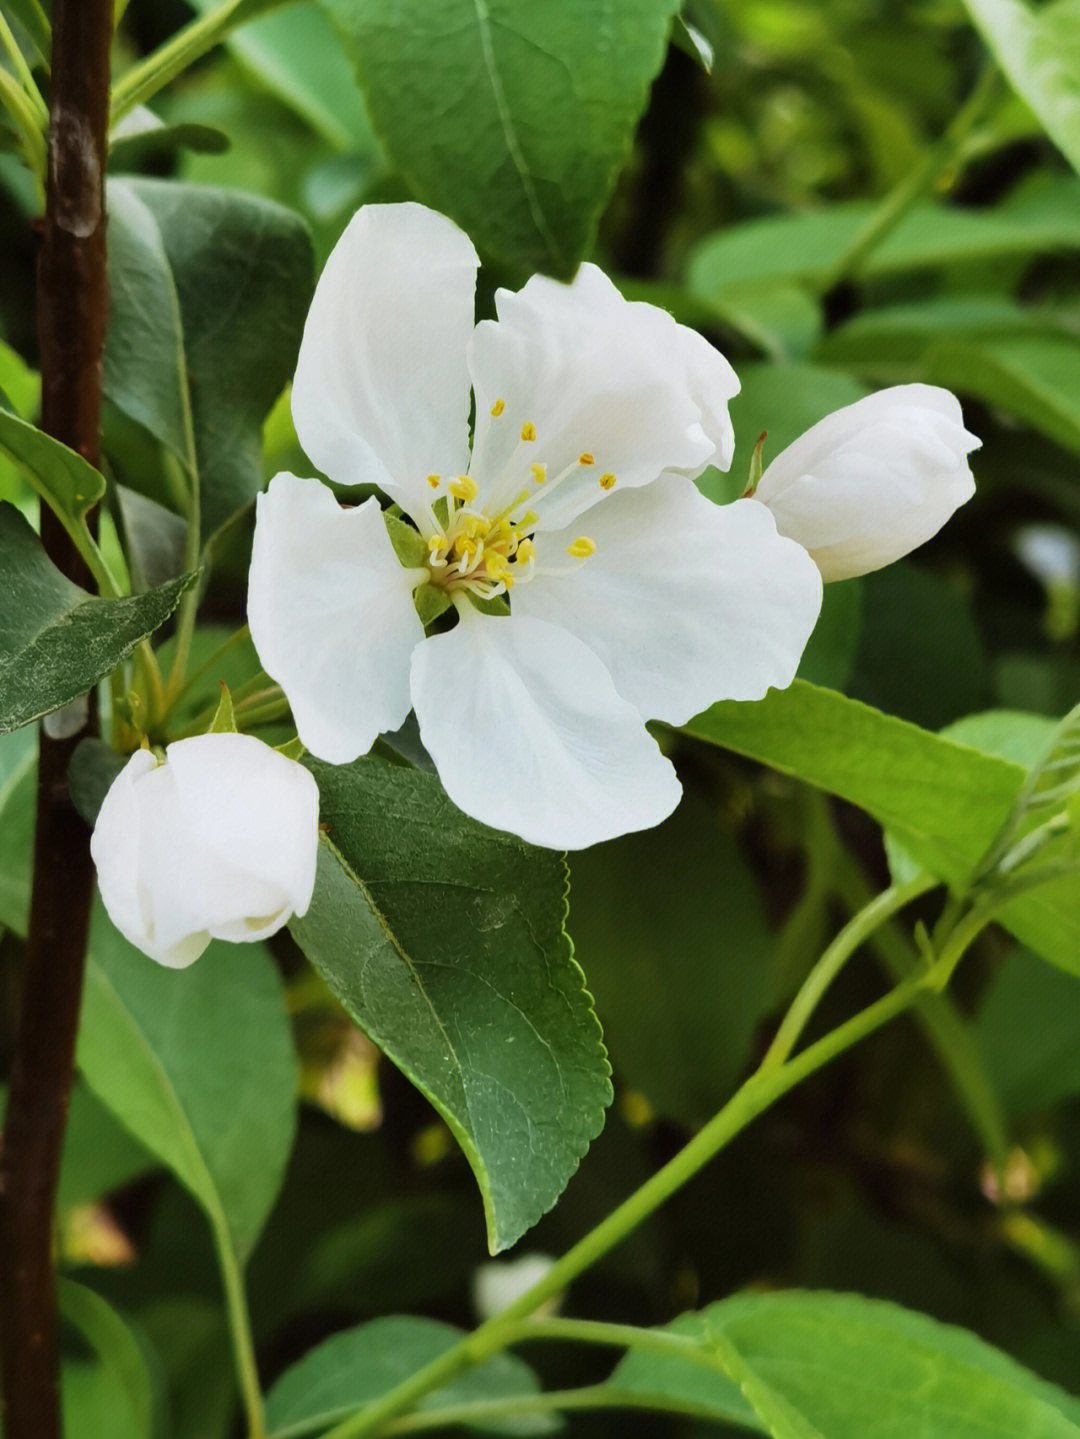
{"points": [[331, 615], [873, 481], [575, 370], [381, 388], [529, 735]]}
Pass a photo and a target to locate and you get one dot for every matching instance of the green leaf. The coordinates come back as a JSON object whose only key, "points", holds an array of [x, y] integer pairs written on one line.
{"points": [[141, 135], [224, 721], [295, 53], [210, 288], [512, 119], [1036, 377], [444, 940], [785, 249], [99, 1154], [138, 1403], [943, 801], [61, 477], [671, 931], [830, 653], [351, 1369], [1039, 51], [198, 1064], [852, 1368], [18, 786], [57, 641]]}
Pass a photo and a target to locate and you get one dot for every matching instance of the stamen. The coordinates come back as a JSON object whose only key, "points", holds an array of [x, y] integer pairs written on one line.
{"points": [[526, 552], [607, 482], [539, 473], [464, 488], [582, 548], [438, 542], [434, 481], [498, 407], [528, 431], [586, 459]]}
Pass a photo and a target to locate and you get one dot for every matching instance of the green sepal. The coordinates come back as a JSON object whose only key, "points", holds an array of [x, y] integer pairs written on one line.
{"points": [[498, 606], [224, 721], [409, 544], [292, 749], [431, 601]]}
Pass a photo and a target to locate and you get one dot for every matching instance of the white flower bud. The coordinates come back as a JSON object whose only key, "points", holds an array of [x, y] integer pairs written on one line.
{"points": [[219, 842], [871, 482]]}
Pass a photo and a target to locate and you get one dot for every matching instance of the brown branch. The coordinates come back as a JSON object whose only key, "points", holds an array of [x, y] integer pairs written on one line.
{"points": [[72, 315]]}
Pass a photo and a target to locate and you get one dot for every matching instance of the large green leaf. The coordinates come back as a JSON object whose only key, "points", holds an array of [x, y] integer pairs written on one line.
{"points": [[199, 1065], [445, 942], [351, 1369], [57, 641], [210, 288], [844, 1367], [782, 249], [942, 800], [1027, 1026], [513, 119], [1039, 50], [18, 786], [671, 932]]}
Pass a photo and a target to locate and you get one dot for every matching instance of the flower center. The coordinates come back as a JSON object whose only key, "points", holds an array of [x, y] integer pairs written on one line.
{"points": [[486, 555]]}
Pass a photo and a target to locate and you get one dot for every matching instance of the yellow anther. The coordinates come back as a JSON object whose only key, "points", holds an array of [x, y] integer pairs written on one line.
{"points": [[607, 482], [529, 518], [586, 459], [434, 481], [463, 546], [463, 488], [498, 407], [437, 543], [528, 430], [539, 473], [582, 548], [526, 551]]}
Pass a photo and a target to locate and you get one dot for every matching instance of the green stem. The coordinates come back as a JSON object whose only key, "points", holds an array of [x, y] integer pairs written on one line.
{"points": [[946, 1030], [917, 182], [227, 645], [23, 71], [30, 126], [759, 1092], [185, 47], [240, 1331], [851, 937]]}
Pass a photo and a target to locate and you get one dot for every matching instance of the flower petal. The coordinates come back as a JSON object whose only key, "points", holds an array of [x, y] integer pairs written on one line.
{"points": [[594, 375], [684, 601], [331, 615], [529, 735], [381, 389], [257, 814], [871, 482]]}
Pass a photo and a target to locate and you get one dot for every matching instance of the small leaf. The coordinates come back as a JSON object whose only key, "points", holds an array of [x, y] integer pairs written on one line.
{"points": [[61, 477], [57, 641], [352, 1369], [512, 119], [444, 940], [851, 1368], [140, 1402]]}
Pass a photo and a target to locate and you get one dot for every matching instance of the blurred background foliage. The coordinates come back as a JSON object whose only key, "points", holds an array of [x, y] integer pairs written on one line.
{"points": [[775, 131]]}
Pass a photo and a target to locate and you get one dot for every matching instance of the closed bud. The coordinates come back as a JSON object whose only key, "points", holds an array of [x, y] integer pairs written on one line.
{"points": [[218, 842], [871, 482]]}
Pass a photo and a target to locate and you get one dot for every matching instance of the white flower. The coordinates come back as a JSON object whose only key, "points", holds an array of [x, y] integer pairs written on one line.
{"points": [[871, 482], [219, 842], [631, 597]]}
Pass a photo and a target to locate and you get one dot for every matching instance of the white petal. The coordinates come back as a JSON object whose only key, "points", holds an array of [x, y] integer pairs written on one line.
{"points": [[256, 814], [529, 735], [594, 374], [331, 615], [115, 847], [381, 388], [873, 481], [684, 601]]}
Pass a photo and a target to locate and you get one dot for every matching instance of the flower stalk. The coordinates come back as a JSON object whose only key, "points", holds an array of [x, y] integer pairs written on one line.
{"points": [[72, 316]]}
